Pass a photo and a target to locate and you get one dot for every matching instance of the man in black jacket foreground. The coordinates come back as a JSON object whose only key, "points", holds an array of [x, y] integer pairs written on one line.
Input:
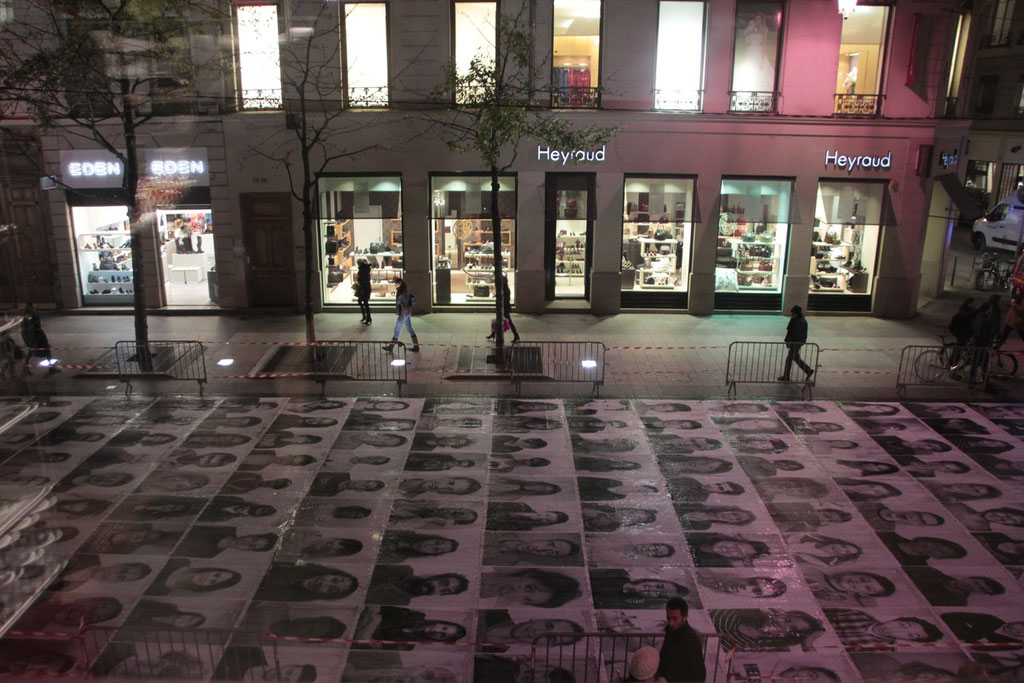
{"points": [[796, 336], [682, 656]]}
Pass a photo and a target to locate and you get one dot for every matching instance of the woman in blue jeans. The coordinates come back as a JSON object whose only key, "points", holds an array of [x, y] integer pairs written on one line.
{"points": [[403, 308]]}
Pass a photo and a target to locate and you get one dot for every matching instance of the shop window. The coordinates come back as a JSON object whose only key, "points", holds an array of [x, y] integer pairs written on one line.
{"points": [[360, 219], [464, 247], [985, 94], [576, 52], [847, 222], [753, 228], [679, 74], [187, 253], [475, 37], [861, 61], [755, 56], [366, 54], [1002, 23], [657, 224], [259, 57], [104, 243]]}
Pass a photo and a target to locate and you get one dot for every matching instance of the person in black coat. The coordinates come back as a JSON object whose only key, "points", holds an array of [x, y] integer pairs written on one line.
{"points": [[796, 336], [35, 339], [363, 295], [682, 656]]}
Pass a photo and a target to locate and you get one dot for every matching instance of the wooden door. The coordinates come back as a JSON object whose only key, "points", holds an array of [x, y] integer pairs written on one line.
{"points": [[30, 275], [269, 249]]}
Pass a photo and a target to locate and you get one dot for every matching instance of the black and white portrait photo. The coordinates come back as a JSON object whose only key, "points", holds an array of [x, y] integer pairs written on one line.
{"points": [[640, 588], [533, 549]]}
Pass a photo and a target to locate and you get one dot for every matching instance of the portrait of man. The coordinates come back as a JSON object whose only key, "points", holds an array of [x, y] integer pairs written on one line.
{"points": [[942, 590], [985, 631], [881, 517], [501, 631], [766, 629], [399, 585], [848, 588], [407, 628], [61, 613], [207, 540], [979, 517], [532, 587], [920, 551], [692, 490], [857, 627], [1006, 549], [552, 550], [744, 586], [790, 517], [619, 589]]}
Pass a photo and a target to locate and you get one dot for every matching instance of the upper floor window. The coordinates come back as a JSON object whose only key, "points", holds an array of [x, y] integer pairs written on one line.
{"points": [[679, 72], [1020, 96], [755, 57], [985, 94], [366, 54], [475, 37], [861, 60], [1002, 22], [259, 57], [576, 53]]}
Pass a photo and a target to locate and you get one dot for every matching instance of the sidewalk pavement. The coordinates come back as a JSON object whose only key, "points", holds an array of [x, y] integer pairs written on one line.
{"points": [[679, 356]]}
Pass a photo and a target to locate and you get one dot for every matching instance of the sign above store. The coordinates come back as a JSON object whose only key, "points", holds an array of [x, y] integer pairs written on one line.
{"points": [[96, 169], [850, 163], [947, 160], [564, 156]]}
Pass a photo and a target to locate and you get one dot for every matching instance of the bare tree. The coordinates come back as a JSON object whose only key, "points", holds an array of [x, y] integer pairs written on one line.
{"points": [[493, 112], [101, 70]]}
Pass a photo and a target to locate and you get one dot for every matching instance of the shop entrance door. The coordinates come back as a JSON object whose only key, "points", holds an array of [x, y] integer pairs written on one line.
{"points": [[568, 228], [267, 232]]}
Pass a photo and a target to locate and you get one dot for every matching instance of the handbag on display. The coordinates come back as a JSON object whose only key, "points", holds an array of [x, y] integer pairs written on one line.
{"points": [[330, 230], [482, 291], [377, 247], [331, 248], [662, 234]]}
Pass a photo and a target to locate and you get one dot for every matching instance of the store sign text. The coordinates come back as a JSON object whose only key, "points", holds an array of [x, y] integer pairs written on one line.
{"points": [[79, 169], [165, 167], [851, 164], [947, 160], [566, 155]]}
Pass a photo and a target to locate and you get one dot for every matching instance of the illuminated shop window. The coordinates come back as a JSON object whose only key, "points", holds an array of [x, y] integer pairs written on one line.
{"points": [[366, 54], [657, 223], [476, 31], [576, 53], [755, 56], [259, 56], [844, 250], [753, 228], [360, 220], [464, 247], [679, 74], [861, 59]]}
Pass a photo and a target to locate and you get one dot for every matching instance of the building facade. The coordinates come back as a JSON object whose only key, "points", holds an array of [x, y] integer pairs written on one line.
{"points": [[766, 153]]}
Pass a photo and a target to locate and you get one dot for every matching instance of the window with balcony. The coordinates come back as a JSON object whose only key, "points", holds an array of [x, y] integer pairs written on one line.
{"points": [[475, 36], [755, 55], [366, 54], [259, 57], [861, 59], [576, 53], [1002, 22], [679, 73]]}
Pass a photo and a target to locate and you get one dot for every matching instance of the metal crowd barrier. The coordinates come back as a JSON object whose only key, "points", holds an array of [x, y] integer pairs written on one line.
{"points": [[764, 363], [932, 365], [359, 361], [557, 361], [156, 360], [599, 656]]}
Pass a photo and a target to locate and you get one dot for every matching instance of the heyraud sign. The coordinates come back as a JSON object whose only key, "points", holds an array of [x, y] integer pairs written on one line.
{"points": [[564, 156], [94, 169], [851, 164]]}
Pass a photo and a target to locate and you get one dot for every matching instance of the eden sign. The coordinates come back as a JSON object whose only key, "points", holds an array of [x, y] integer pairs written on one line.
{"points": [[101, 169], [852, 163]]}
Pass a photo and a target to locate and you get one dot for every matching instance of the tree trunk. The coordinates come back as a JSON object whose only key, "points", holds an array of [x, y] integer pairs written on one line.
{"points": [[307, 240], [137, 226], [499, 288]]}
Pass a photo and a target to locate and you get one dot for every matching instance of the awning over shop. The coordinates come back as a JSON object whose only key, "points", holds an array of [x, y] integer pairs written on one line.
{"points": [[969, 209]]}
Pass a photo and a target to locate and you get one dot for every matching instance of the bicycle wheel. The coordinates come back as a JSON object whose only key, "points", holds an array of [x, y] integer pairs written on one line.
{"points": [[929, 366], [985, 280], [1003, 364]]}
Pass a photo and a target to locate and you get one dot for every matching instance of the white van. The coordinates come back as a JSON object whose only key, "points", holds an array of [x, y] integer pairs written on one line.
{"points": [[1002, 227]]}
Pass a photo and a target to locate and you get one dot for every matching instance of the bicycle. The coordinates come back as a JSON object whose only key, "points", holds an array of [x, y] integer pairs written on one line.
{"points": [[1002, 363], [931, 365], [994, 274]]}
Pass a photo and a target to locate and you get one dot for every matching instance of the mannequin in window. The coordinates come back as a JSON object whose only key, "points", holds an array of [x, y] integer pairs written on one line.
{"points": [[850, 83]]}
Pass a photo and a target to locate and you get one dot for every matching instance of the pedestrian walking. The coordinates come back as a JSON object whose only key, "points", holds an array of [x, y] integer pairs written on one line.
{"points": [[1014, 317], [796, 336], [363, 290], [961, 328], [506, 312], [644, 666], [35, 339], [983, 331], [682, 657], [404, 301]]}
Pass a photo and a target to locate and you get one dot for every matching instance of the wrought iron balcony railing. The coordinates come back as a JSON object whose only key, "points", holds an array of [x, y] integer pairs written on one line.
{"points": [[752, 101], [261, 98], [858, 105], [678, 100], [573, 97], [367, 96]]}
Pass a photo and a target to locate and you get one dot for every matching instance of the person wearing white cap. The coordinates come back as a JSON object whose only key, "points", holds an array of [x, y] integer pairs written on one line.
{"points": [[644, 666]]}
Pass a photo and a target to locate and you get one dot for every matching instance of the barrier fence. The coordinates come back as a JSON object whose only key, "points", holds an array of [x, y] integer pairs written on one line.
{"points": [[360, 361], [160, 360], [600, 656], [558, 361], [752, 362]]}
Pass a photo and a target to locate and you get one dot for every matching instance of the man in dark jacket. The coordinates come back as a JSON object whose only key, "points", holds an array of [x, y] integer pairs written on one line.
{"points": [[796, 336], [682, 657]]}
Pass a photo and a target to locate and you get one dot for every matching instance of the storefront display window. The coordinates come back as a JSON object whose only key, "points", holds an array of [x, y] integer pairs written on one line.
{"points": [[755, 55], [187, 252], [847, 222], [464, 248], [576, 53], [861, 57], [571, 253], [104, 243], [679, 76], [753, 228], [656, 227], [360, 218]]}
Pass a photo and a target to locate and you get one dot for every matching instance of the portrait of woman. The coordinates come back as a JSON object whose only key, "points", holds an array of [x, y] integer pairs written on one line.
{"points": [[442, 486], [399, 547], [756, 444], [821, 550], [287, 422], [869, 468], [601, 488], [428, 442], [125, 538], [660, 407], [1004, 548], [895, 445], [372, 441], [437, 462], [607, 518], [330, 484], [283, 439], [866, 490], [412, 515], [521, 517], [553, 550], [529, 587], [227, 508], [175, 482], [980, 445], [790, 487], [524, 424], [410, 627], [694, 464], [519, 407], [158, 614], [751, 425], [506, 443], [154, 508], [497, 628], [721, 550], [657, 425], [589, 463], [181, 578], [247, 482], [616, 589], [593, 425], [961, 491], [185, 458], [86, 570], [607, 445], [512, 488], [698, 517], [506, 463], [677, 444], [858, 409], [306, 407], [213, 439], [305, 582]]}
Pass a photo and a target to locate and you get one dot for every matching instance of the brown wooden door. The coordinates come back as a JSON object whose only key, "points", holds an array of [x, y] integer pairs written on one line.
{"points": [[270, 255], [28, 272]]}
